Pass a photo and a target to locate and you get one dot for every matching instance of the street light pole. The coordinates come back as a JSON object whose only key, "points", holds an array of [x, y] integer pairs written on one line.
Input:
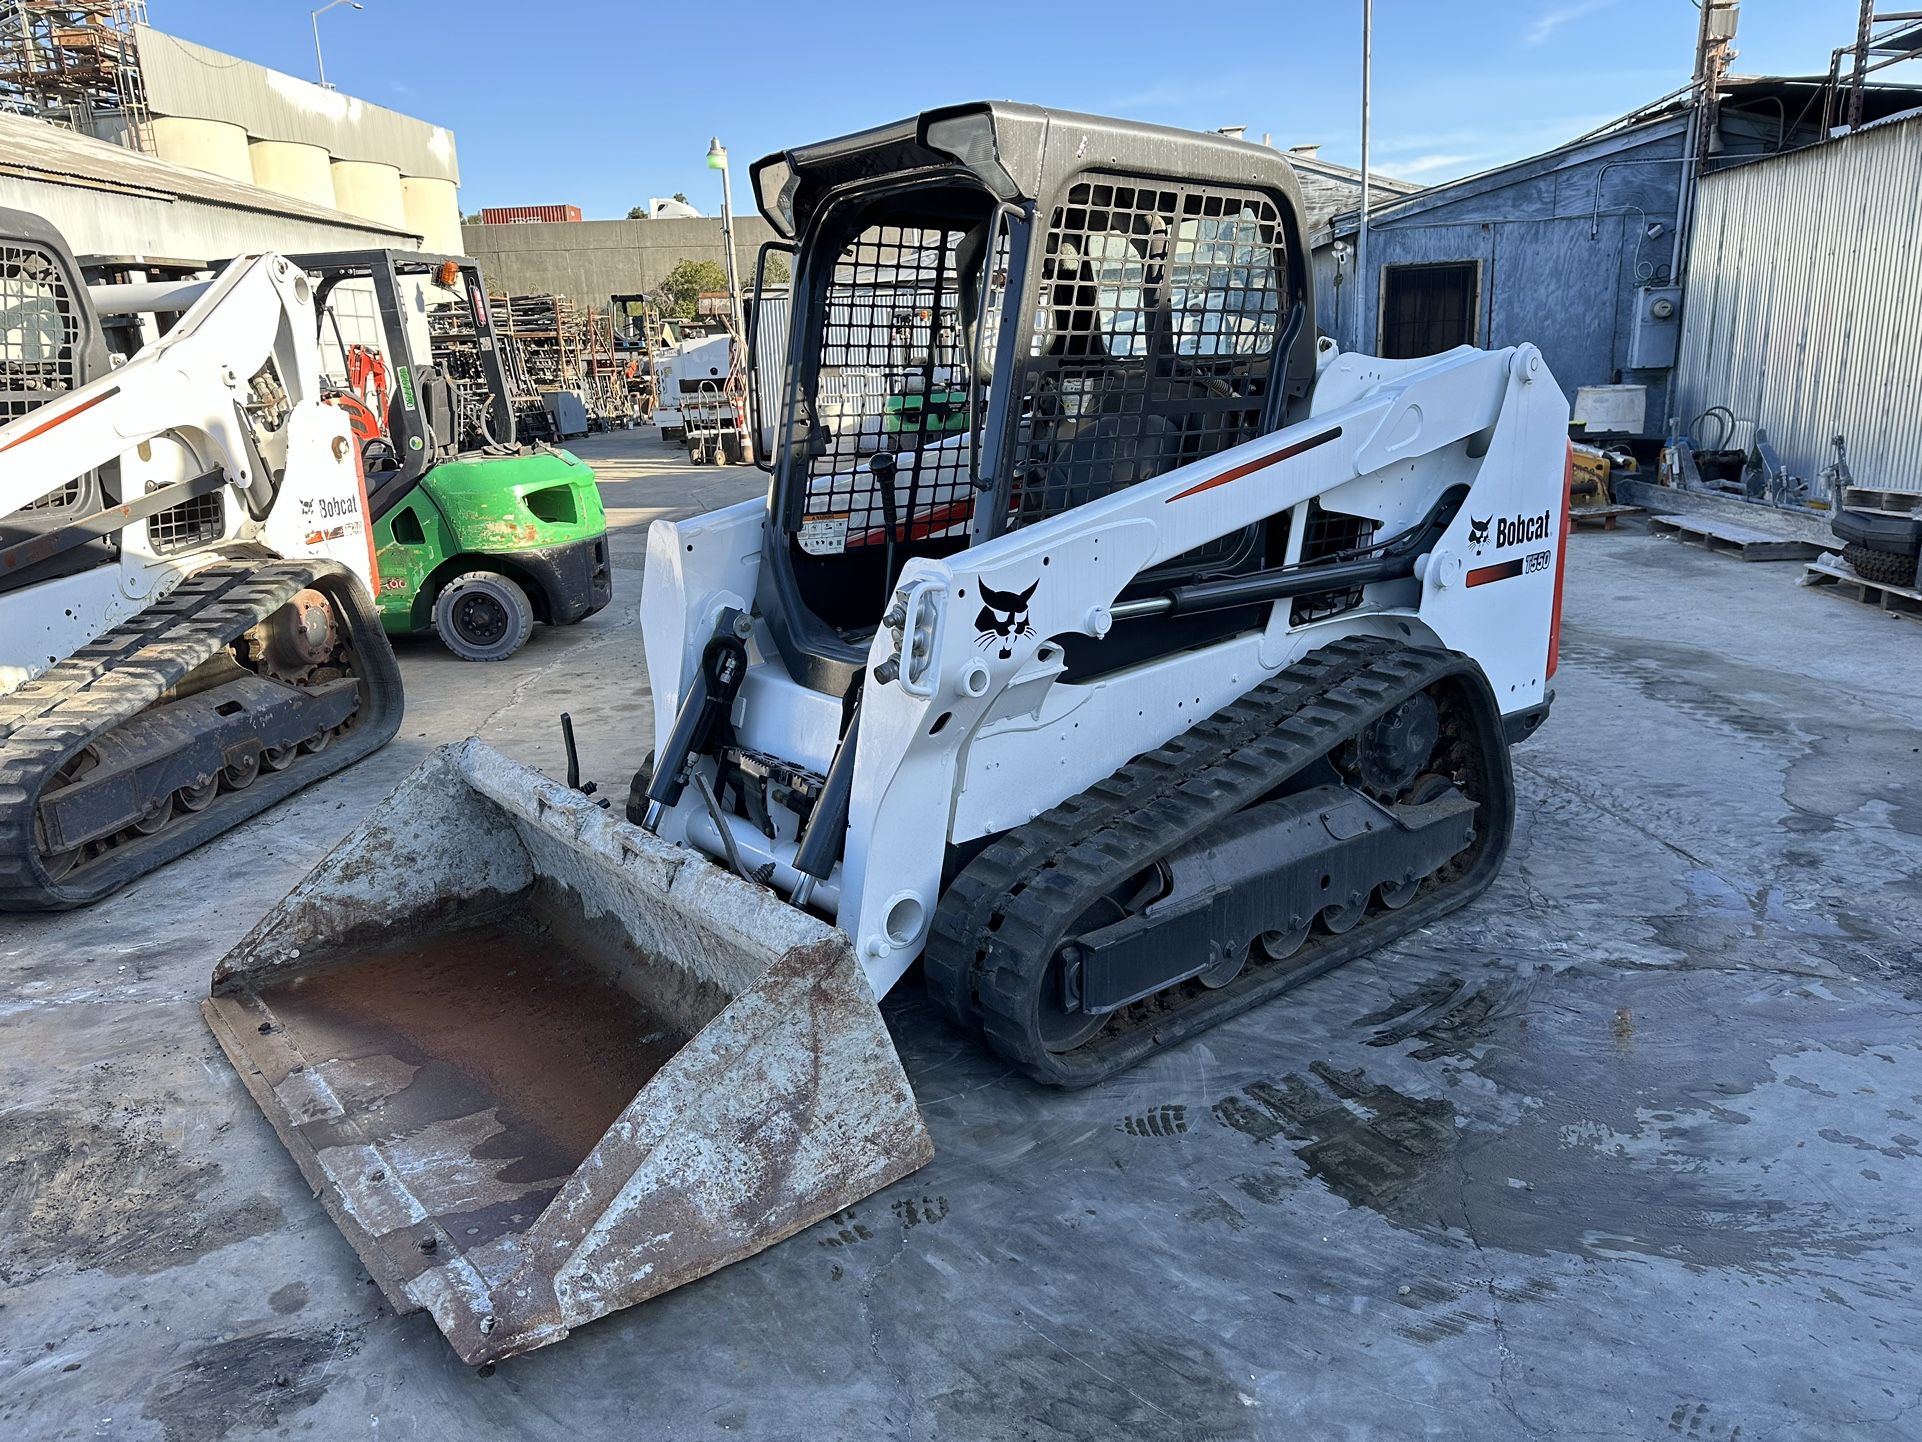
{"points": [[320, 62], [717, 160]]}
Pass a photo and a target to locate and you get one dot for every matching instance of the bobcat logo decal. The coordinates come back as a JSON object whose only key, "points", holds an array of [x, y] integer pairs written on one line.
{"points": [[306, 508], [1003, 618], [1478, 530]]}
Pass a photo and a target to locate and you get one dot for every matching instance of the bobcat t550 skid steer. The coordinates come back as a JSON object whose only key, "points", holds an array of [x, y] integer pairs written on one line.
{"points": [[186, 623], [1183, 671]]}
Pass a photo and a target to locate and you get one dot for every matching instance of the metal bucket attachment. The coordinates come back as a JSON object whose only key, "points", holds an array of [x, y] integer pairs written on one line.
{"points": [[539, 1065]]}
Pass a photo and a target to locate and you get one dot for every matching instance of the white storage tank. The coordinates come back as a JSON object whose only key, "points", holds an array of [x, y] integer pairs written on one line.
{"points": [[432, 208], [212, 145], [292, 167], [370, 190]]}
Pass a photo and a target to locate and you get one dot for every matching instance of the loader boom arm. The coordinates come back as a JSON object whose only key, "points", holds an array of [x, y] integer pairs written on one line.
{"points": [[222, 383]]}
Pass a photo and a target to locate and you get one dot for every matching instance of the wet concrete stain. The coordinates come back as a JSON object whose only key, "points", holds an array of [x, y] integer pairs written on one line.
{"points": [[1170, 1119], [1540, 1187], [1069, 1385], [848, 1229], [255, 1382], [1216, 1209], [927, 1209], [1449, 1017], [101, 1187], [288, 1299], [1691, 1419]]}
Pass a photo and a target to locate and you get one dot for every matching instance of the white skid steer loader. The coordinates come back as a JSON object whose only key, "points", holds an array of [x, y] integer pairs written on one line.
{"points": [[1107, 643], [187, 626]]}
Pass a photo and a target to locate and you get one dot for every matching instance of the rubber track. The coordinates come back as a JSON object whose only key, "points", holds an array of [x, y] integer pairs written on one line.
{"points": [[1880, 568], [1004, 917], [127, 669], [972, 897]]}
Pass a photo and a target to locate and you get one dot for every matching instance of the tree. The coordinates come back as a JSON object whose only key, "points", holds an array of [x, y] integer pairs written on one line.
{"points": [[639, 212], [681, 195], [683, 286], [776, 272]]}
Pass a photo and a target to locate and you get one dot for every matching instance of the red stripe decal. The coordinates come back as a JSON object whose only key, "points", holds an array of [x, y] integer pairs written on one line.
{"points": [[47, 425], [920, 527], [1500, 571], [1248, 468]]}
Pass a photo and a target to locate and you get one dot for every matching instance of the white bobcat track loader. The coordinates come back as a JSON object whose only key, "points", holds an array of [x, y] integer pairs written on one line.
{"points": [[186, 564], [1106, 642]]}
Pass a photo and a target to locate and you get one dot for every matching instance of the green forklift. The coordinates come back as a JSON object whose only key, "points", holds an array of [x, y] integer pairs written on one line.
{"points": [[481, 528]]}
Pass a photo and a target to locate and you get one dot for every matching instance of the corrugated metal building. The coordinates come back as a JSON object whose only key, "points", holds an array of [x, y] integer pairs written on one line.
{"points": [[107, 200], [1571, 249], [1803, 310]]}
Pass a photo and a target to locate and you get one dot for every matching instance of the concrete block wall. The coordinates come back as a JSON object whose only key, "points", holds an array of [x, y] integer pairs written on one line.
{"points": [[590, 260]]}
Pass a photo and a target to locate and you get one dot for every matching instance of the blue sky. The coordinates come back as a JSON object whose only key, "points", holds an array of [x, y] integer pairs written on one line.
{"points": [[605, 104]]}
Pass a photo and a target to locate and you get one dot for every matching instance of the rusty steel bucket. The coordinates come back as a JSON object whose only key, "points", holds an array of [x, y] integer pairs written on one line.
{"points": [[539, 1065]]}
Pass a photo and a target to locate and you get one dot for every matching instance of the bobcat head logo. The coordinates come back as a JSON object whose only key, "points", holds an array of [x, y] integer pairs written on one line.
{"points": [[1478, 530], [1003, 618], [306, 508]]}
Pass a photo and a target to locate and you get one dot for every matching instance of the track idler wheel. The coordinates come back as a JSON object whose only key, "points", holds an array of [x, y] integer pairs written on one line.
{"points": [[197, 797], [156, 817]]}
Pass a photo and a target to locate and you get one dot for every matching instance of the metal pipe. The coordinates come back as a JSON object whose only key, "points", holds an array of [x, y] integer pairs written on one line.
{"points": [[147, 297]]}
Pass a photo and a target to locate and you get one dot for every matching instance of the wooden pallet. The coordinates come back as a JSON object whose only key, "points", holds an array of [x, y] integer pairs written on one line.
{"points": [[1886, 503], [1713, 534], [1603, 516], [1831, 572]]}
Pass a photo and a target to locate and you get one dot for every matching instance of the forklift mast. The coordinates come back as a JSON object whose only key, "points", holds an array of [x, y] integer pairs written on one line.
{"points": [[421, 420]]}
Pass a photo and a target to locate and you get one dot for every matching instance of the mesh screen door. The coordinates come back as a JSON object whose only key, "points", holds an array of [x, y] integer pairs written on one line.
{"points": [[891, 380], [1154, 339]]}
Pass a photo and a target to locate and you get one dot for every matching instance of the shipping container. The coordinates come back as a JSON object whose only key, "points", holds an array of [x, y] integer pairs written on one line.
{"points": [[520, 214]]}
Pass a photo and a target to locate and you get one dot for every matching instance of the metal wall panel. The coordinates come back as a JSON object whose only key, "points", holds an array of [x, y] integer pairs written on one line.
{"points": [[1801, 312]]}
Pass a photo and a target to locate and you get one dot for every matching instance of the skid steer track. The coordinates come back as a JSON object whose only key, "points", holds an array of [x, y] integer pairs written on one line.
{"points": [[49, 722], [1007, 914]]}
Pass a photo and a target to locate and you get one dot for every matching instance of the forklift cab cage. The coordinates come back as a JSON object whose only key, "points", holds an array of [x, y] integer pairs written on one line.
{"points": [[1001, 312], [410, 424]]}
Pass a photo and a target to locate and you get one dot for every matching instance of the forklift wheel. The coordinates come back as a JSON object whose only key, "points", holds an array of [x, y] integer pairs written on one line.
{"points": [[483, 616]]}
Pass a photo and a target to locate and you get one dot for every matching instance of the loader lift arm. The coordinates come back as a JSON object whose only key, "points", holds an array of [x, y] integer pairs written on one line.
{"points": [[186, 564]]}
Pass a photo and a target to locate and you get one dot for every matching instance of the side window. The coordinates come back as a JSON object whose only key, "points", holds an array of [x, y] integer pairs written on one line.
{"points": [[37, 331], [38, 338]]}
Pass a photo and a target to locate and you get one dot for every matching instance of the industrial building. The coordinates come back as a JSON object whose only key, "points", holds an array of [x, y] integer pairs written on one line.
{"points": [[100, 73], [111, 201], [1574, 248]]}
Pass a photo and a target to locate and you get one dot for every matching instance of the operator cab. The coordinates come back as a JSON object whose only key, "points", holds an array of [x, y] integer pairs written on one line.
{"points": [[1001, 313]]}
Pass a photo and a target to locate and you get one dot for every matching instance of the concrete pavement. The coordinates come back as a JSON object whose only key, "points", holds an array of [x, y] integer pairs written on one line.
{"points": [[1630, 1148]]}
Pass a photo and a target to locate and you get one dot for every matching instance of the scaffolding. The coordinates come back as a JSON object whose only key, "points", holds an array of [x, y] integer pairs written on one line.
{"points": [[76, 64]]}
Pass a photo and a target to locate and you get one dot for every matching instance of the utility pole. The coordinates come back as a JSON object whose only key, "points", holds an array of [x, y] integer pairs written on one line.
{"points": [[1364, 287], [1714, 49]]}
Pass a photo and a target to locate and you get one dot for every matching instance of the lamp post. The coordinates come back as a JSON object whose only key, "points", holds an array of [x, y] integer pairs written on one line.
{"points": [[717, 160], [320, 62]]}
